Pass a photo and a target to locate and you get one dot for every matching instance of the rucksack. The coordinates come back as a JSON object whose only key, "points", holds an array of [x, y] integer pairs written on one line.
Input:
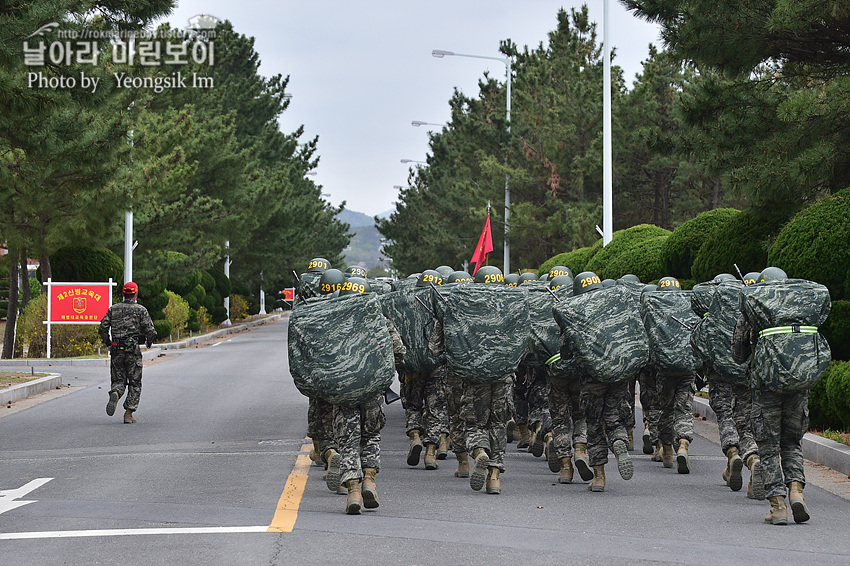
{"points": [[668, 319]]}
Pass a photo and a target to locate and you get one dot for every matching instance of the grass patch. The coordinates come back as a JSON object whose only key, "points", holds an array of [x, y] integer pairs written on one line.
{"points": [[837, 436], [8, 379]]}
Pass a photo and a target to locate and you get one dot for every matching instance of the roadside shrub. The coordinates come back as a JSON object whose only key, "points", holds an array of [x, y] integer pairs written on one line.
{"points": [[163, 329], [836, 330], [67, 340], [176, 312], [608, 263], [815, 244], [222, 283], [743, 240], [642, 258], [238, 307], [85, 264], [838, 392], [821, 415], [680, 250], [575, 260]]}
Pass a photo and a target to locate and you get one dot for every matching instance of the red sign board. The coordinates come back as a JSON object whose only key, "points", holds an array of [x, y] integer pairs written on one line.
{"points": [[79, 302], [289, 294]]}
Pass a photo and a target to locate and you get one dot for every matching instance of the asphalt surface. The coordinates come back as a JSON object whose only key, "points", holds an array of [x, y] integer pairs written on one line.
{"points": [[219, 431]]}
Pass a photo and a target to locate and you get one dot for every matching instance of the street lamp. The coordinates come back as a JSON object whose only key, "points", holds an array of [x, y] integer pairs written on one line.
{"points": [[417, 123], [310, 173], [411, 161], [439, 54]]}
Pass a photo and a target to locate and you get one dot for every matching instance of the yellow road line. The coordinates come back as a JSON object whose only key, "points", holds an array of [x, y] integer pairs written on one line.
{"points": [[290, 499]]}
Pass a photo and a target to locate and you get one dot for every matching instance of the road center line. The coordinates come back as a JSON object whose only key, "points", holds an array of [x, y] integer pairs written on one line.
{"points": [[129, 532], [290, 499]]}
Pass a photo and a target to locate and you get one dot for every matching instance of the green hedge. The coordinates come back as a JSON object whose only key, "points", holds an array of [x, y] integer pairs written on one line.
{"points": [[821, 414], [642, 258], [163, 329], [838, 392], [836, 330], [85, 264], [575, 260], [743, 240], [815, 244], [680, 250], [612, 261]]}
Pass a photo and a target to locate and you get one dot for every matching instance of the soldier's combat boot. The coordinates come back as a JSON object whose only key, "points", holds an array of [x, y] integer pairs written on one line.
{"points": [[431, 456], [333, 458], [112, 403], [631, 434], [624, 462], [647, 444], [443, 447], [315, 457], [734, 465], [682, 460], [667, 455], [462, 465], [524, 436], [798, 505], [128, 417], [552, 456], [354, 502], [494, 486], [582, 464], [415, 448], [479, 470], [778, 511], [535, 444], [369, 490], [756, 478], [566, 475], [598, 483], [657, 454], [509, 430]]}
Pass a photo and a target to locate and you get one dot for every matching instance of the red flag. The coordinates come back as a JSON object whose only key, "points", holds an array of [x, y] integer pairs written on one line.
{"points": [[484, 247]]}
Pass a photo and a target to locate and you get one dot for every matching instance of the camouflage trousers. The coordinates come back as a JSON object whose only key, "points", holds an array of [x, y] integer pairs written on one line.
{"points": [[531, 404], [358, 431], [732, 404], [779, 423], [484, 408], [676, 400], [569, 426], [630, 402], [125, 372], [454, 395], [605, 408], [424, 401], [320, 424], [648, 380]]}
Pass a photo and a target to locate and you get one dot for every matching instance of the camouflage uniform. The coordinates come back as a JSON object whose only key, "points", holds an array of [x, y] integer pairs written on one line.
{"points": [[531, 404], [569, 427], [676, 399], [649, 401], [606, 409], [484, 409], [732, 404], [454, 387], [320, 424], [424, 401], [124, 325]]}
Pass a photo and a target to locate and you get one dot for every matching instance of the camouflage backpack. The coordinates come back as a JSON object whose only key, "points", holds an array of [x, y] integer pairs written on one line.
{"points": [[700, 303], [790, 355], [380, 287], [603, 331], [544, 345], [486, 331], [412, 314], [308, 286], [340, 349], [669, 340]]}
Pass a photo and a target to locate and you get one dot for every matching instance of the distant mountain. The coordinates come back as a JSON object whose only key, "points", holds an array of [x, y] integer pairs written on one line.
{"points": [[365, 246], [355, 219]]}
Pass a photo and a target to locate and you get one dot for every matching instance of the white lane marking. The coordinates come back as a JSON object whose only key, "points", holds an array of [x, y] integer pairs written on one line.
{"points": [[222, 342], [8, 496], [132, 532]]}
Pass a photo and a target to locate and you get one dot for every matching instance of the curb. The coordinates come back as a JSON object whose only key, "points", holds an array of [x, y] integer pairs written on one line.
{"points": [[817, 449], [147, 355], [30, 388]]}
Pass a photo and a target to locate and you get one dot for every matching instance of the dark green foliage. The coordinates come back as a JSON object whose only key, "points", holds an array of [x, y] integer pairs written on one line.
{"points": [[680, 249], [207, 280], [575, 260], [838, 392], [642, 258], [192, 323], [815, 245], [222, 283], [687, 284], [612, 261], [163, 328], [86, 264], [148, 289], [743, 240], [218, 314], [821, 414], [836, 330]]}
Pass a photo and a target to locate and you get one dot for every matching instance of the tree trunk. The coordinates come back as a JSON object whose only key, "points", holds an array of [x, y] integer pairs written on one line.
{"points": [[12, 311], [25, 280], [715, 197], [44, 263]]}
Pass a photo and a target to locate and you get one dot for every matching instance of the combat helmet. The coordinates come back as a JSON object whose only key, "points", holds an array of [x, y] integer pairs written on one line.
{"points": [[586, 281], [458, 277], [444, 270], [331, 281], [723, 277], [527, 276], [355, 271], [512, 279], [429, 276], [771, 274], [630, 277], [649, 288], [544, 277], [608, 283], [355, 286], [318, 265], [669, 284], [751, 277], [489, 274], [560, 270], [560, 281]]}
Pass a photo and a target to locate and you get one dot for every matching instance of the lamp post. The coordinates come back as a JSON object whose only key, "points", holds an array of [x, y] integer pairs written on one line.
{"points": [[417, 123], [440, 53], [412, 161], [607, 167]]}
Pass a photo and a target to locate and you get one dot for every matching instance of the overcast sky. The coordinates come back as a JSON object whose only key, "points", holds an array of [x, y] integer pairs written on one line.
{"points": [[361, 71]]}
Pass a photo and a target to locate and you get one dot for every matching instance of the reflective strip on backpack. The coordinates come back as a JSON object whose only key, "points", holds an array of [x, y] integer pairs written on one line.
{"points": [[793, 329], [553, 359]]}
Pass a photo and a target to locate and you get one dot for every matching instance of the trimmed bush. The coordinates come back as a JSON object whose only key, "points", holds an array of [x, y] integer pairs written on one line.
{"points": [[222, 283], [607, 263], [743, 240], [163, 329], [821, 415], [176, 312], [643, 258], [838, 392], [680, 250], [85, 264], [836, 330], [815, 245], [575, 260]]}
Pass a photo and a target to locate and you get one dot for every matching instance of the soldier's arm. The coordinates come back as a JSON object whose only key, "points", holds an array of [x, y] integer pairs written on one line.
{"points": [[398, 346], [436, 342], [103, 328], [742, 341]]}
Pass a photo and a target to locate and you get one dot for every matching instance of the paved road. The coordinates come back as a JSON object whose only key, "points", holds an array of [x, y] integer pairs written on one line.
{"points": [[220, 432]]}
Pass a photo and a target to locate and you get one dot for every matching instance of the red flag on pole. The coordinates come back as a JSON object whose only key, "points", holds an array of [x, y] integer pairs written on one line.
{"points": [[484, 247]]}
